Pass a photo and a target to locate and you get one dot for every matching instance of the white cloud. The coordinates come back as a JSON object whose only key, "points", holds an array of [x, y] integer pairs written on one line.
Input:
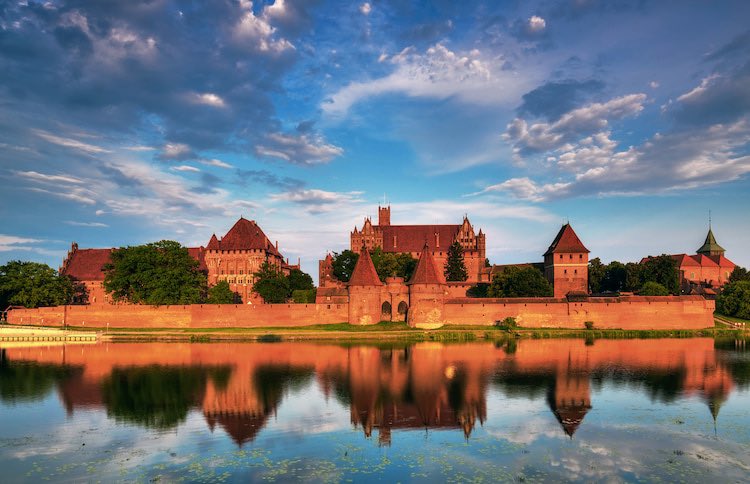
{"points": [[437, 73], [318, 200], [185, 168], [85, 224], [14, 240], [46, 178], [70, 143], [536, 24], [303, 149], [256, 33], [365, 8], [208, 99], [215, 162], [176, 151]]}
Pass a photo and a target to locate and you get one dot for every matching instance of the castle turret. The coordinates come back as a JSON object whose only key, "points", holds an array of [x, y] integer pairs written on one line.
{"points": [[426, 293], [710, 247], [364, 291], [566, 263], [384, 215]]}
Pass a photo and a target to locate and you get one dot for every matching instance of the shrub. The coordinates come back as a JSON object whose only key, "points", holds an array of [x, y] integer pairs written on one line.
{"points": [[304, 296], [507, 324], [653, 289], [589, 324]]}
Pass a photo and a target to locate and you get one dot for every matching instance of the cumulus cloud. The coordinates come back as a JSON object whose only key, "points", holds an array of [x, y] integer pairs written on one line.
{"points": [[255, 33], [536, 24], [208, 99], [176, 152], [365, 8], [438, 73]]}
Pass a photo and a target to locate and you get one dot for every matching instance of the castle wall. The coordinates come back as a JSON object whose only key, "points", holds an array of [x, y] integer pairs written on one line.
{"points": [[191, 316], [633, 312], [364, 304]]}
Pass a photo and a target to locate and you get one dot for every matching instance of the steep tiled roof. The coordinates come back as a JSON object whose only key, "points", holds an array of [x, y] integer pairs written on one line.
{"points": [[213, 244], [566, 241], [86, 264], [198, 253], [244, 235], [704, 260], [710, 244], [411, 238], [722, 261], [364, 273], [427, 272], [683, 260]]}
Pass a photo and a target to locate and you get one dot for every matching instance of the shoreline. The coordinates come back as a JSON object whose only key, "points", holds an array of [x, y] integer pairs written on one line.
{"points": [[346, 333]]}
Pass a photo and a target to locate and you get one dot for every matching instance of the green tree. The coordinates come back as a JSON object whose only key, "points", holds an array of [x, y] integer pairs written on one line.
{"points": [[633, 277], [31, 284], [222, 294], [478, 290], [662, 269], [739, 274], [596, 275], [156, 273], [615, 277], [406, 265], [652, 288], [385, 263], [455, 269], [299, 280], [517, 282], [734, 300], [271, 284], [343, 264]]}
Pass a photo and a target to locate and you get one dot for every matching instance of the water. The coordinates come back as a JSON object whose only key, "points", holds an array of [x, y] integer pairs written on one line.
{"points": [[528, 410]]}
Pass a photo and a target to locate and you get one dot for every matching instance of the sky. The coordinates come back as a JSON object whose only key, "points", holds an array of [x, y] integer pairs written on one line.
{"points": [[123, 123]]}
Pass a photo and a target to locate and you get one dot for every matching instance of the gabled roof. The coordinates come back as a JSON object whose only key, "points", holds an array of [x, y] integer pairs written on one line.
{"points": [[704, 260], [566, 241], [710, 244], [213, 244], [364, 273], [244, 235], [682, 260], [722, 261], [426, 271], [86, 264], [198, 253], [411, 238]]}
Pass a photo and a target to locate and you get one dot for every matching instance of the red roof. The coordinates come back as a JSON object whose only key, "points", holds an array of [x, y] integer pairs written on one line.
{"points": [[411, 238], [566, 241], [198, 253], [364, 273], [682, 260], [244, 235], [704, 260], [86, 264], [426, 271], [722, 261]]}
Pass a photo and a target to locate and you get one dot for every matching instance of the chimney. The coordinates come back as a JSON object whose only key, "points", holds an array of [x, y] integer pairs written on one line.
{"points": [[277, 245]]}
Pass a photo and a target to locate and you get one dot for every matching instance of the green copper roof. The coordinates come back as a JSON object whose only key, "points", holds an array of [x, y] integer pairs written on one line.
{"points": [[710, 244]]}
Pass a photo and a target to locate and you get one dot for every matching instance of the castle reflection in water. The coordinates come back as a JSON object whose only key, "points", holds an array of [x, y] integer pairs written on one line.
{"points": [[427, 385]]}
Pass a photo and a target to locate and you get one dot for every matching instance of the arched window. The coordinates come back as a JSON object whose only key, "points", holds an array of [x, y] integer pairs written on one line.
{"points": [[385, 311], [402, 307]]}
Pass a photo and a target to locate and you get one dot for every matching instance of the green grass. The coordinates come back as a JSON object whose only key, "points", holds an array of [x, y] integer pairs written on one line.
{"points": [[732, 318]]}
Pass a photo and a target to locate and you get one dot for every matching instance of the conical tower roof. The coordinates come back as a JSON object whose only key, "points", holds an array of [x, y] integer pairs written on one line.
{"points": [[710, 247], [364, 273], [566, 241], [426, 271], [213, 244]]}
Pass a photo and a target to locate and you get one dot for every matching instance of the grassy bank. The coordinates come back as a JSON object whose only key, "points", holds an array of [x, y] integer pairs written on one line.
{"points": [[391, 331]]}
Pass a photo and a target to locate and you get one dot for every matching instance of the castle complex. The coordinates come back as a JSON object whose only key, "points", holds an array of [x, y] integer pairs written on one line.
{"points": [[426, 300]]}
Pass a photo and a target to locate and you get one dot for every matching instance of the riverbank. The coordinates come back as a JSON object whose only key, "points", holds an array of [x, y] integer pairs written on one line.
{"points": [[385, 331]]}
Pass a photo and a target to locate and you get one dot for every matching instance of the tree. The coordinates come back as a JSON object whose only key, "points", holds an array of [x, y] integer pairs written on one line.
{"points": [[222, 294], [517, 282], [739, 274], [652, 288], [455, 269], [31, 284], [596, 274], [157, 273], [385, 263], [304, 296], [662, 269], [478, 290], [633, 272], [734, 300], [615, 277], [299, 280], [406, 264], [343, 264], [271, 284]]}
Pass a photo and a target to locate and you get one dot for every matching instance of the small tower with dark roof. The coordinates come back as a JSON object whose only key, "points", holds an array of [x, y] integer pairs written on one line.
{"points": [[566, 263], [710, 247], [364, 291], [426, 293]]}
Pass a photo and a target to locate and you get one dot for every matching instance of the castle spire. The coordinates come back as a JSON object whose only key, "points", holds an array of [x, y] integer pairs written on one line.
{"points": [[364, 273], [426, 272]]}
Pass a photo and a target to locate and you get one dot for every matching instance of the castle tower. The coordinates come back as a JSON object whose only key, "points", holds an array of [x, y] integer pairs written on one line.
{"points": [[566, 263], [384, 215], [426, 293], [364, 291]]}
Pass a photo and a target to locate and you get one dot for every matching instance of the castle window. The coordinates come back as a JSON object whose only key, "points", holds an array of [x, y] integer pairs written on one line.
{"points": [[692, 275], [242, 271], [575, 271], [222, 272], [580, 256], [566, 271], [560, 256], [571, 256]]}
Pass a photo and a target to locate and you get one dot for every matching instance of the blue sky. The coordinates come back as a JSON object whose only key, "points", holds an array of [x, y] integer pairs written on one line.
{"points": [[128, 122]]}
